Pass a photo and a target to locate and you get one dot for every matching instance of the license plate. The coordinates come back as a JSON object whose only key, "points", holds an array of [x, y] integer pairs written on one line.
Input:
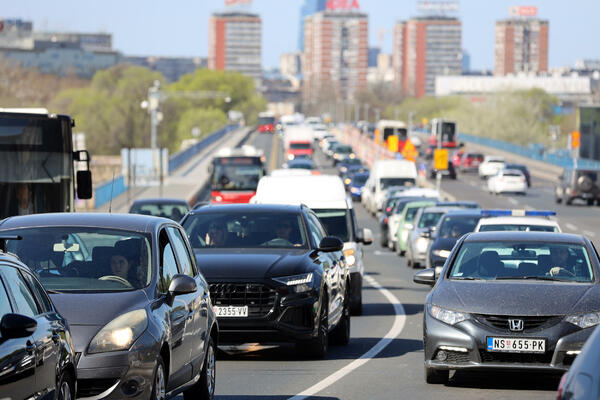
{"points": [[516, 345], [231, 311]]}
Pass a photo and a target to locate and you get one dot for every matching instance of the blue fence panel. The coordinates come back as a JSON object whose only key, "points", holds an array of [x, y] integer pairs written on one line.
{"points": [[177, 160], [102, 193]]}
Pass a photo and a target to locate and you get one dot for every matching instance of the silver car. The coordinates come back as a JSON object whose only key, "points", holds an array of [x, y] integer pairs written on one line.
{"points": [[418, 242]]}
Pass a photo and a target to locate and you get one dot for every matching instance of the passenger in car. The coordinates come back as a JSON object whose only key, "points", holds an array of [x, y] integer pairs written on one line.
{"points": [[217, 234]]}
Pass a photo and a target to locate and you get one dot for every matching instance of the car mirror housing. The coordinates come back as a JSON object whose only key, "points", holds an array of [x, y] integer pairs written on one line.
{"points": [[14, 326], [425, 277], [426, 234], [181, 284], [330, 244]]}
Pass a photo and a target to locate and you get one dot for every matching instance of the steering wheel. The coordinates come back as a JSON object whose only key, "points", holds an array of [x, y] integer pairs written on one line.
{"points": [[558, 271], [115, 278], [277, 242]]}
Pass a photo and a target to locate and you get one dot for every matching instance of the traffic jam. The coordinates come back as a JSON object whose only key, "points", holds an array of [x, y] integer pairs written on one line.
{"points": [[279, 262]]}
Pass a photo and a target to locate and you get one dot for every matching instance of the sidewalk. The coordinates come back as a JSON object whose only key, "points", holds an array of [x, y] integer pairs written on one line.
{"points": [[185, 183]]}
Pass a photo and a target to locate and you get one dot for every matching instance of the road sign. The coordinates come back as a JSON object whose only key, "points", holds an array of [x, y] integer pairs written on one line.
{"points": [[575, 139], [393, 143], [440, 159], [410, 152]]}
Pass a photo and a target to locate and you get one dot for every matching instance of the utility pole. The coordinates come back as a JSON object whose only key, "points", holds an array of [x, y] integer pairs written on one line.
{"points": [[377, 111], [367, 112]]}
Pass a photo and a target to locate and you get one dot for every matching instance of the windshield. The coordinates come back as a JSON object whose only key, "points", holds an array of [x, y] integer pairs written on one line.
{"points": [[359, 179], [336, 222], [300, 146], [343, 149], [456, 226], [236, 177], [429, 219], [36, 166], [387, 182], [518, 260], [172, 211], [301, 165], [85, 259], [266, 120], [389, 131], [246, 230], [517, 227]]}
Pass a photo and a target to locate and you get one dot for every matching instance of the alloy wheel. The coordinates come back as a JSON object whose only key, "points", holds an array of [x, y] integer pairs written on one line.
{"points": [[160, 391], [64, 391]]}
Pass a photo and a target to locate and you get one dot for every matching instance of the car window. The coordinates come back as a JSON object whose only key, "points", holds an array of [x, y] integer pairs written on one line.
{"points": [[315, 229], [4, 302], [429, 219], [168, 265], [39, 293], [185, 261], [337, 222], [24, 299]]}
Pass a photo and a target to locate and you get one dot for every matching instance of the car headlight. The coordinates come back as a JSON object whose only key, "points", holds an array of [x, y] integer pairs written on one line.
{"points": [[290, 156], [350, 256], [448, 316], [354, 190], [442, 253], [585, 320], [421, 244], [298, 283], [120, 333], [343, 169]]}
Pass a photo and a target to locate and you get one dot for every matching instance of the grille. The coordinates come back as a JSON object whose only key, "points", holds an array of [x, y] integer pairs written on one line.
{"points": [[517, 358], [456, 357], [93, 387], [259, 298], [530, 322]]}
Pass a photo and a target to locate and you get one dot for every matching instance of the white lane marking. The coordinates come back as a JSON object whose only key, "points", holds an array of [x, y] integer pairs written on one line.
{"points": [[571, 226], [383, 253], [512, 201], [394, 331], [589, 233]]}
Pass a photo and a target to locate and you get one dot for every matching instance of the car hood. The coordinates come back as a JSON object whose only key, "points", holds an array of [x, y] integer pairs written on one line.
{"points": [[234, 264], [87, 313], [517, 297]]}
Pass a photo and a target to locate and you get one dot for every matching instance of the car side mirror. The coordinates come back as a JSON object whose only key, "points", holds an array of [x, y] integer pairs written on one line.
{"points": [[84, 184], [426, 234], [181, 284], [425, 277], [13, 326], [329, 244], [364, 236]]}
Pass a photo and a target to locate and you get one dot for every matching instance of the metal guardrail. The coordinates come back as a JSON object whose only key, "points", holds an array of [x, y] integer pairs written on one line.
{"points": [[102, 192]]}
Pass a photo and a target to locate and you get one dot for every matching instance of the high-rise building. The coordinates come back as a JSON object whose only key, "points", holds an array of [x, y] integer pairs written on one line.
{"points": [[235, 43], [335, 54], [308, 8], [521, 45], [290, 64], [424, 48]]}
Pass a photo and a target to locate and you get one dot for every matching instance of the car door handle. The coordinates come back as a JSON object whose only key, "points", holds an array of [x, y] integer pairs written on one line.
{"points": [[29, 347]]}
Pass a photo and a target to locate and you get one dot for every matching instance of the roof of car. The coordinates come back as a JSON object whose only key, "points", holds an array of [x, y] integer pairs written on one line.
{"points": [[236, 208], [512, 236], [160, 200], [438, 209], [130, 222]]}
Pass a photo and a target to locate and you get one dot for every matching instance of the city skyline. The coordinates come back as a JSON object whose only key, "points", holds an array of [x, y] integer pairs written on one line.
{"points": [[152, 28]]}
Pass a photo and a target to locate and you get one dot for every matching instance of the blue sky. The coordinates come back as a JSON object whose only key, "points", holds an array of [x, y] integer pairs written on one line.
{"points": [[180, 27]]}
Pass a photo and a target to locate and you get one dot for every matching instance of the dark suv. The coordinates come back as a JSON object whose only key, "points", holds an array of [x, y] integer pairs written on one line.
{"points": [[578, 183]]}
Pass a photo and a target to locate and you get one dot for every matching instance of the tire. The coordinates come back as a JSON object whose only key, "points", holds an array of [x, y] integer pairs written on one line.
{"points": [[356, 308], [204, 389], [317, 347], [437, 376], [66, 387], [384, 239], [341, 333], [159, 384], [590, 202], [416, 265]]}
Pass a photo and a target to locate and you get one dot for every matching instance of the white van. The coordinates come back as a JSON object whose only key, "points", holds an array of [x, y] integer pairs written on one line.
{"points": [[386, 173], [326, 196]]}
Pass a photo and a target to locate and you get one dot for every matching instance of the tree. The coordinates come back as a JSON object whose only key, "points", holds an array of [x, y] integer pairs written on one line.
{"points": [[208, 120]]}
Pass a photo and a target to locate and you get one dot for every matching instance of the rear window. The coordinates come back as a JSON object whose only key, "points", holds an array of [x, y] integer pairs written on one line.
{"points": [[513, 174], [429, 219], [475, 155], [456, 226]]}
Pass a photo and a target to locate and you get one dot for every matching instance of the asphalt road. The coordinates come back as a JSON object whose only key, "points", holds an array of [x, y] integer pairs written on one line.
{"points": [[384, 359]]}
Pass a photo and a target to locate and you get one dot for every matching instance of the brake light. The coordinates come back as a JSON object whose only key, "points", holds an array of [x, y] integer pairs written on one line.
{"points": [[561, 386], [388, 209], [385, 221]]}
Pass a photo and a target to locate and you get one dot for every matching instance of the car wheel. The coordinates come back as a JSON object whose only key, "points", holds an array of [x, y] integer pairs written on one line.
{"points": [[416, 265], [204, 389], [384, 239], [436, 376], [317, 347], [66, 387], [341, 333], [356, 307], [159, 386], [568, 201], [409, 261], [590, 202], [558, 199]]}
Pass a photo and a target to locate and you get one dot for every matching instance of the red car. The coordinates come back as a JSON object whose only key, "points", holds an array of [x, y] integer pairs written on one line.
{"points": [[470, 161]]}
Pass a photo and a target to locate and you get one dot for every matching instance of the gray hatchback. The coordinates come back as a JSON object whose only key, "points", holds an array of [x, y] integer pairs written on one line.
{"points": [[510, 300]]}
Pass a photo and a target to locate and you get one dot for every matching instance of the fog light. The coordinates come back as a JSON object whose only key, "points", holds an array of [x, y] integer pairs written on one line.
{"points": [[130, 387], [441, 355]]}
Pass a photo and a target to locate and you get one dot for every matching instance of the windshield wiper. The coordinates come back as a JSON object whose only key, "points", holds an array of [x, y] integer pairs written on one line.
{"points": [[53, 291], [533, 277], [466, 278]]}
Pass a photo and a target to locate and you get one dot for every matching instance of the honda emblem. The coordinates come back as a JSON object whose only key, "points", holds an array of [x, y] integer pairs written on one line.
{"points": [[516, 325]]}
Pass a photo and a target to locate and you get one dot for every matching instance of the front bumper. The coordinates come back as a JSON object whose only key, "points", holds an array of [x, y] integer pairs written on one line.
{"points": [[465, 346], [119, 374]]}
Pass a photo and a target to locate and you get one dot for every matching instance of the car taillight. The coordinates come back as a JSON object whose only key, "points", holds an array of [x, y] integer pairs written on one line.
{"points": [[385, 221], [388, 209], [561, 386]]}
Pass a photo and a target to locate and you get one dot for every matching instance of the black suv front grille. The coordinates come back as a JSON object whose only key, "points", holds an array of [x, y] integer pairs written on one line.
{"points": [[529, 322], [259, 298]]}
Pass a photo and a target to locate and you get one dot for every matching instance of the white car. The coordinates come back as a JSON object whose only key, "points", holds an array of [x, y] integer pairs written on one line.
{"points": [[507, 180], [490, 166], [517, 220]]}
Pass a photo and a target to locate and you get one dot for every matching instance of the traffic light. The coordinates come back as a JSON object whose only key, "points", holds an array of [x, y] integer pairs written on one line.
{"points": [[575, 139]]}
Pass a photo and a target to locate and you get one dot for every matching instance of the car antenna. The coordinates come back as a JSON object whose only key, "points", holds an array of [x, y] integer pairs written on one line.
{"points": [[112, 185]]}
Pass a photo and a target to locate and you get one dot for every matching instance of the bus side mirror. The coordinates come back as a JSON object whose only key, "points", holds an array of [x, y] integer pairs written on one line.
{"points": [[84, 184]]}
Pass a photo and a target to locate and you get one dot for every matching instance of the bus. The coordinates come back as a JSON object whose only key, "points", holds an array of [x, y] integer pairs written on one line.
{"points": [[37, 163], [234, 174], [387, 128], [266, 122]]}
